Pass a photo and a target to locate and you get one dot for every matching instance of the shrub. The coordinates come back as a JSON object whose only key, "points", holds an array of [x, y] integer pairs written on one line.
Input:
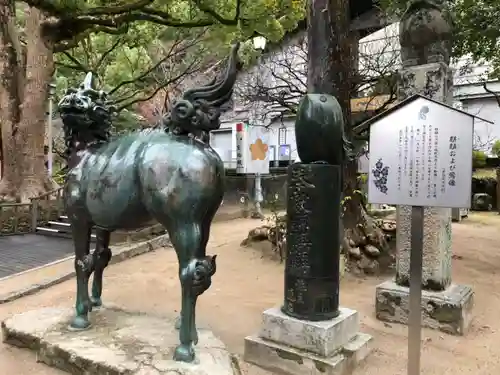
{"points": [[478, 159], [495, 149]]}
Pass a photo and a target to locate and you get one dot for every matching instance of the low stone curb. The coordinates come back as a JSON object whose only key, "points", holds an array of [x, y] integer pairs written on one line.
{"points": [[120, 253]]}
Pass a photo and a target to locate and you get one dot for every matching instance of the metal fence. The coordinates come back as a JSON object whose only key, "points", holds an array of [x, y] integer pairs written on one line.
{"points": [[242, 187], [21, 218]]}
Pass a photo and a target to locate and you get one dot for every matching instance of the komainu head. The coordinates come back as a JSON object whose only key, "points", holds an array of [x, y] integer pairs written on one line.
{"points": [[86, 114], [199, 108]]}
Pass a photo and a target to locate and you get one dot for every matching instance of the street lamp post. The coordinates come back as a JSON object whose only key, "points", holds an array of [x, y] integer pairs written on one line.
{"points": [[259, 43], [52, 91]]}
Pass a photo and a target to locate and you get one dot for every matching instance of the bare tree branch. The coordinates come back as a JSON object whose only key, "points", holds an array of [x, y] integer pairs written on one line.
{"points": [[277, 84], [78, 64], [474, 73], [495, 95], [483, 142], [107, 52], [190, 69], [175, 49]]}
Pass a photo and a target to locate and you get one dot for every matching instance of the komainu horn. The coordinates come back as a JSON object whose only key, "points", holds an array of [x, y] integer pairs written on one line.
{"points": [[124, 183]]}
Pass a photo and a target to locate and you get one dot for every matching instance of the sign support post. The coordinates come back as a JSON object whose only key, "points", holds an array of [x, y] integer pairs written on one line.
{"points": [[415, 318], [258, 195]]}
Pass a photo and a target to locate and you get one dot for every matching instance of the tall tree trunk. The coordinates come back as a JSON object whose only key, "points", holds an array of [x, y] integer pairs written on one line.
{"points": [[24, 94], [39, 70], [331, 62], [10, 99], [329, 50]]}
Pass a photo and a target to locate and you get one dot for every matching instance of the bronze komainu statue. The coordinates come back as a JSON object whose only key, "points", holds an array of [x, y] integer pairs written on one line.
{"points": [[124, 183]]}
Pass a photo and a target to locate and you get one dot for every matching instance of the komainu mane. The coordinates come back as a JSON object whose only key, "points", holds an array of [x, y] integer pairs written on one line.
{"points": [[199, 109], [124, 183]]}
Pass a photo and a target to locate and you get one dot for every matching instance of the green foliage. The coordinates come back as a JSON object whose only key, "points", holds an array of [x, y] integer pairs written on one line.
{"points": [[132, 67], [495, 149], [362, 178], [126, 122], [268, 17], [478, 30], [478, 159], [59, 175], [123, 62]]}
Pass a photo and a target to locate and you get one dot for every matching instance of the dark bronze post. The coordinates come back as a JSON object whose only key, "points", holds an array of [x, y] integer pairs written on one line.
{"points": [[312, 263], [314, 212]]}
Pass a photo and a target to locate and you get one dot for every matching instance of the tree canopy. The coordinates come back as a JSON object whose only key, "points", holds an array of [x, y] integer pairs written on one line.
{"points": [[134, 66], [139, 49], [129, 44], [244, 17]]}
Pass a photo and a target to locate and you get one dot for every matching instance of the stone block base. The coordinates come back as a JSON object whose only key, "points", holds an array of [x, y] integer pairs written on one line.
{"points": [[295, 347], [449, 311], [119, 342], [457, 214]]}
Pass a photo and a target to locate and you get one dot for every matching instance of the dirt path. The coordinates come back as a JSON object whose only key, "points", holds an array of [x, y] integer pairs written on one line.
{"points": [[246, 284]]}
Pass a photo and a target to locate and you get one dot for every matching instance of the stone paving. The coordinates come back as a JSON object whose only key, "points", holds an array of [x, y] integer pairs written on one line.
{"points": [[247, 283], [19, 253]]}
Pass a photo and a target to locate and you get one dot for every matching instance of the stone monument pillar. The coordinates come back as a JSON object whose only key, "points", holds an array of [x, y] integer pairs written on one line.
{"points": [[425, 37], [310, 333]]}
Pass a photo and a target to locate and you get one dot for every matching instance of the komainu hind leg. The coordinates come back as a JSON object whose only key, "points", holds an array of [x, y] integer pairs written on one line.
{"points": [[195, 277]]}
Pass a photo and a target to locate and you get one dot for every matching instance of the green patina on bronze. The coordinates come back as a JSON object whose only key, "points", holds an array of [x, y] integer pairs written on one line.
{"points": [[313, 210], [168, 174], [319, 131]]}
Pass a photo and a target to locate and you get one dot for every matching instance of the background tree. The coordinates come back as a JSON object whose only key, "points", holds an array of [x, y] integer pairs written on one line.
{"points": [[278, 84], [478, 159], [483, 141], [46, 27], [332, 63], [495, 149], [332, 57], [135, 66]]}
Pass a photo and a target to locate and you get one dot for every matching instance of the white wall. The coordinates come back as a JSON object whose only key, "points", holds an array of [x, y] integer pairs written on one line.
{"points": [[488, 109], [224, 141]]}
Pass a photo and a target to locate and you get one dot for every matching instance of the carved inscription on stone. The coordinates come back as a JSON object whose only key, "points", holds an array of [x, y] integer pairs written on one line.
{"points": [[299, 240], [313, 213]]}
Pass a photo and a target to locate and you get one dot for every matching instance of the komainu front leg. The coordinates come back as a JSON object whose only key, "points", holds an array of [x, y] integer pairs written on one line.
{"points": [[83, 269], [101, 258]]}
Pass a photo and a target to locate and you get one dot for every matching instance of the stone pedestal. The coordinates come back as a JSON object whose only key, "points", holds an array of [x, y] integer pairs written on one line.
{"points": [[436, 258], [287, 345], [449, 310], [119, 342], [446, 307], [457, 214]]}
